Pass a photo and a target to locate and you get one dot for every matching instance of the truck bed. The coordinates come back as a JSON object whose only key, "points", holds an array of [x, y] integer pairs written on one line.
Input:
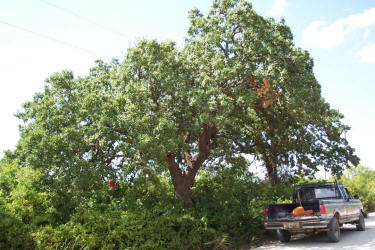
{"points": [[284, 211]]}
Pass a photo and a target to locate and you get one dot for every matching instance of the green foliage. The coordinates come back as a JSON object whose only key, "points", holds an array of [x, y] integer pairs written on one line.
{"points": [[143, 214], [285, 122], [232, 201], [361, 181], [28, 201], [8, 181], [20, 187], [14, 234], [140, 229]]}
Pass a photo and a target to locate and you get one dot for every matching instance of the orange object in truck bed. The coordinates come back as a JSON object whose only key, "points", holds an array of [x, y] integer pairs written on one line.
{"points": [[300, 211]]}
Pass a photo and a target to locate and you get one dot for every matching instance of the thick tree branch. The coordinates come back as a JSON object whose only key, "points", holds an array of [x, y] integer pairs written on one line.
{"points": [[173, 167], [187, 155], [181, 133], [224, 50], [205, 145]]}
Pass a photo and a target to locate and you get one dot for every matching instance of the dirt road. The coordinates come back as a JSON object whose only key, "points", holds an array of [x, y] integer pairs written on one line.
{"points": [[350, 239]]}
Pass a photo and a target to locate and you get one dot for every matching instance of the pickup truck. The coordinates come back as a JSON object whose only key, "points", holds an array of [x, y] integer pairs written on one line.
{"points": [[325, 207]]}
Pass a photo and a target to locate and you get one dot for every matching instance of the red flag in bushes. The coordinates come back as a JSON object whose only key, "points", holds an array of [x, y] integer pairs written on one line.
{"points": [[112, 184]]}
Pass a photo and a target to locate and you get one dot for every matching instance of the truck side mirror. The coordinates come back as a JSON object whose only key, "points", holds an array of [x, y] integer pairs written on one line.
{"points": [[356, 197]]}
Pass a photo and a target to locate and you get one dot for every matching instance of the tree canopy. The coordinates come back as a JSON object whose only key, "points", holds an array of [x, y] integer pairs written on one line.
{"points": [[239, 86]]}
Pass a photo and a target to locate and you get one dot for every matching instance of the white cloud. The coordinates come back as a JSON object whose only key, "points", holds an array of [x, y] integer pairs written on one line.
{"points": [[366, 34], [278, 8], [323, 35], [367, 53], [361, 20]]}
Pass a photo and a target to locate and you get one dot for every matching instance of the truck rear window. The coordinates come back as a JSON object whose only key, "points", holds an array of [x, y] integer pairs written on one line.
{"points": [[325, 192]]}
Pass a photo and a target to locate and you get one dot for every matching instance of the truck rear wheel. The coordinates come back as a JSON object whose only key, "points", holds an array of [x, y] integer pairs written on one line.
{"points": [[361, 223], [333, 230], [283, 235]]}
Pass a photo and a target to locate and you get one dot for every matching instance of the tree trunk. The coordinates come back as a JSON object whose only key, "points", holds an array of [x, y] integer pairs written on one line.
{"points": [[272, 172], [184, 180]]}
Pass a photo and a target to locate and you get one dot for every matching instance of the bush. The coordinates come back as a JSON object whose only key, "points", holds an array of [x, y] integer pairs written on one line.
{"points": [[13, 233], [22, 206], [154, 220], [32, 205], [361, 181], [232, 202], [141, 214]]}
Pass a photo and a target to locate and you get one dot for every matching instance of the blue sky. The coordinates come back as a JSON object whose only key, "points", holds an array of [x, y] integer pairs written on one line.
{"points": [[339, 34]]}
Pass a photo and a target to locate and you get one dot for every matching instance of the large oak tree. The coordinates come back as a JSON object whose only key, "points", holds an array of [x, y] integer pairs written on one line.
{"points": [[238, 87]]}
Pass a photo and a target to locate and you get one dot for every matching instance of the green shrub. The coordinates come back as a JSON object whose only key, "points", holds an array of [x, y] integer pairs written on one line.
{"points": [[13, 233], [27, 200], [232, 202], [108, 222], [141, 214], [361, 181]]}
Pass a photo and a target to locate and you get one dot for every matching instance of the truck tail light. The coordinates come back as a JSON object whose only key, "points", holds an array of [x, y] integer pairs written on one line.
{"points": [[266, 212], [323, 209]]}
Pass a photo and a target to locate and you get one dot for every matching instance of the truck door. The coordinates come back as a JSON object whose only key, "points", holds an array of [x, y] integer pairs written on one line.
{"points": [[353, 205], [346, 204]]}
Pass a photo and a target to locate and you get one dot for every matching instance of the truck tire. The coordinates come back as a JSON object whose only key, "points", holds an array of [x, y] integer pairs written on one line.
{"points": [[361, 223], [283, 235], [333, 230]]}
